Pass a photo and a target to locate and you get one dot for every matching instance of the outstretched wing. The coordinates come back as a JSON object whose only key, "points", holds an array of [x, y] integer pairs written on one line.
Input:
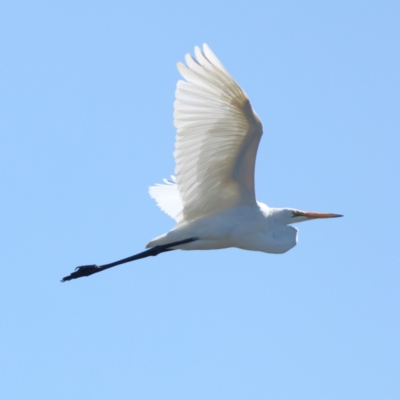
{"points": [[217, 138]]}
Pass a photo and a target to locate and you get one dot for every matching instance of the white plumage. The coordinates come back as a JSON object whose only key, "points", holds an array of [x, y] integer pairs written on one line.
{"points": [[168, 198], [213, 197]]}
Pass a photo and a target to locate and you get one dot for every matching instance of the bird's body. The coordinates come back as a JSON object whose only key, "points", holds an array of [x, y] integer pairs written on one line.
{"points": [[249, 227], [213, 197]]}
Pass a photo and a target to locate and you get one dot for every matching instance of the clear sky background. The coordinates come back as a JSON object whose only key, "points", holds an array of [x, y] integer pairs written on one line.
{"points": [[87, 89]]}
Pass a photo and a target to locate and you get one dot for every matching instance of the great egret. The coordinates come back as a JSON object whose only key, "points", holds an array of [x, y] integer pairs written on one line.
{"points": [[212, 198]]}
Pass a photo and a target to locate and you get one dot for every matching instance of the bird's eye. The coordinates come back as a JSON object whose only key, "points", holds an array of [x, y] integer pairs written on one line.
{"points": [[296, 213]]}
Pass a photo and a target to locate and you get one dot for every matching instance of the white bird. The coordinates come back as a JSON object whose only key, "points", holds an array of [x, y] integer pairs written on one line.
{"points": [[212, 198]]}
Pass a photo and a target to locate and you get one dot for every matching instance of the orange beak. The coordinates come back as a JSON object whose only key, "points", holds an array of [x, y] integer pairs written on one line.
{"points": [[315, 215]]}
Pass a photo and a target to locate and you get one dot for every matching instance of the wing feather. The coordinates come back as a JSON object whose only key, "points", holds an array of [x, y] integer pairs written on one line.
{"points": [[167, 198], [217, 138]]}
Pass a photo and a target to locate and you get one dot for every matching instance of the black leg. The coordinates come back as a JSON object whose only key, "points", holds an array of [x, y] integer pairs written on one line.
{"points": [[86, 270]]}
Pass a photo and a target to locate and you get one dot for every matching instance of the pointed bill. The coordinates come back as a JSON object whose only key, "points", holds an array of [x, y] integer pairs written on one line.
{"points": [[315, 215]]}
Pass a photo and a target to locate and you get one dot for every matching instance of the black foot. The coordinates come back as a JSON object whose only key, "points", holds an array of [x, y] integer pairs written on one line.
{"points": [[84, 270]]}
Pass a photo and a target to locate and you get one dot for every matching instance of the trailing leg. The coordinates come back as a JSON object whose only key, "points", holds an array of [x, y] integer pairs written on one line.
{"points": [[87, 270]]}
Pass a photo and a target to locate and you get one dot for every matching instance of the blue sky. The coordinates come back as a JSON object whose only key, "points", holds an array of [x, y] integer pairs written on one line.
{"points": [[87, 90]]}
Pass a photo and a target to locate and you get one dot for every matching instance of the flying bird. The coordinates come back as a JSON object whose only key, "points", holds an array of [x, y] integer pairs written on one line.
{"points": [[212, 195]]}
